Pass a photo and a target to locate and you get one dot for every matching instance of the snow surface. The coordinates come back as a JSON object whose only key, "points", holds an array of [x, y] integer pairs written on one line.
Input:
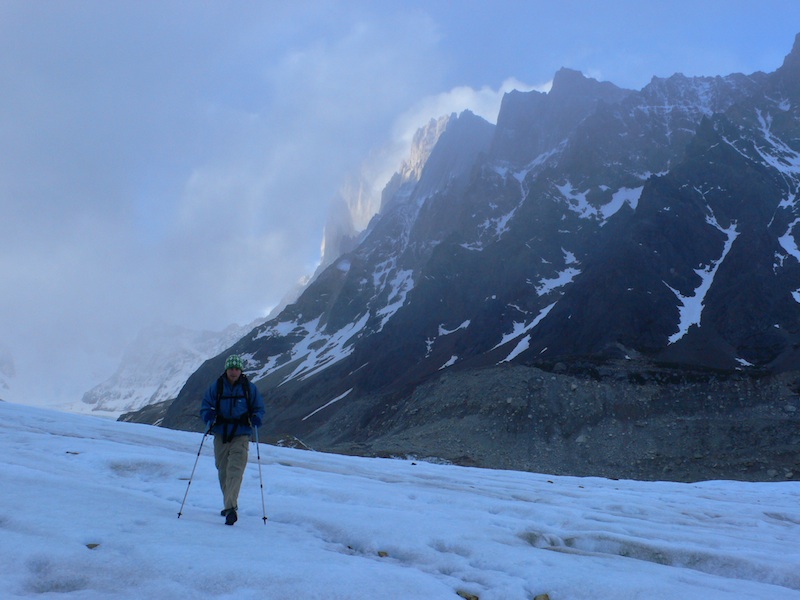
{"points": [[355, 528]]}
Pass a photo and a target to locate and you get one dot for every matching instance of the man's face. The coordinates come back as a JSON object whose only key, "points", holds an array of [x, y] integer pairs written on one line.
{"points": [[233, 374]]}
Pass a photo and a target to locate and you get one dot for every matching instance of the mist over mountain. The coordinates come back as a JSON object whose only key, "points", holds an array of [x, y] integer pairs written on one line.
{"points": [[7, 373], [156, 364], [605, 282], [356, 203]]}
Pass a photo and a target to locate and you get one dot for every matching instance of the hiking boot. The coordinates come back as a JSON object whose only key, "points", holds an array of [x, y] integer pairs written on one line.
{"points": [[231, 517], [224, 512]]}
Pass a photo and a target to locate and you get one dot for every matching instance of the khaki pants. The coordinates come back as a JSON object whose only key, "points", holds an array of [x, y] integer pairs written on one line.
{"points": [[231, 459]]}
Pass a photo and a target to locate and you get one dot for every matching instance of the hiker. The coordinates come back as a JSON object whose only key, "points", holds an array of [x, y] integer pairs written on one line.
{"points": [[231, 408]]}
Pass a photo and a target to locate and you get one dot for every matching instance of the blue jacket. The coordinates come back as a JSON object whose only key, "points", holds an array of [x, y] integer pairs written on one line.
{"points": [[233, 416]]}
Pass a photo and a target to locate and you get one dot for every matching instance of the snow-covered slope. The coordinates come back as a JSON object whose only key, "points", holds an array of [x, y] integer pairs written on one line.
{"points": [[156, 365], [88, 509]]}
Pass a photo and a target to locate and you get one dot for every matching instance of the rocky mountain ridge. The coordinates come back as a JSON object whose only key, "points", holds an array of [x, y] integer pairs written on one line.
{"points": [[591, 225]]}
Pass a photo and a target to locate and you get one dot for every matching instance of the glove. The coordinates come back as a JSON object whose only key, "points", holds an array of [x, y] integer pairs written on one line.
{"points": [[211, 418], [255, 421]]}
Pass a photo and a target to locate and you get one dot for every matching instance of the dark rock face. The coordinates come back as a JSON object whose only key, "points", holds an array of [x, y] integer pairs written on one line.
{"points": [[650, 233], [614, 420]]}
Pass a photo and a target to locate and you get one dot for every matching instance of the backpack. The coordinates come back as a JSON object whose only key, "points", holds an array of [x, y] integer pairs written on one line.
{"points": [[230, 426]]}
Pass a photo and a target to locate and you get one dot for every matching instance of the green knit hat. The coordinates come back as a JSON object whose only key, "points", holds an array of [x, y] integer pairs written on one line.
{"points": [[234, 362]]}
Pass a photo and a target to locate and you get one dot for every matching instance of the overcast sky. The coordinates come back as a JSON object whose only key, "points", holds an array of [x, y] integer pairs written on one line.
{"points": [[173, 161]]}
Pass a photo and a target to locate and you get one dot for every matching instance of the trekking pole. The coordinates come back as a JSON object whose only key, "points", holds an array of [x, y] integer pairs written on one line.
{"points": [[180, 512], [260, 477]]}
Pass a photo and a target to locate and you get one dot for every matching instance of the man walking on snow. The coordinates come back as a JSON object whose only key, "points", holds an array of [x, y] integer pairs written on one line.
{"points": [[231, 407]]}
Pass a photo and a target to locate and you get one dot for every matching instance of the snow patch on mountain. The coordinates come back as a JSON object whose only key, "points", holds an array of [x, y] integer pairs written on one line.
{"points": [[778, 154], [443, 332], [691, 306], [450, 362], [578, 203], [316, 350], [400, 286], [520, 329], [788, 242], [327, 404], [622, 196]]}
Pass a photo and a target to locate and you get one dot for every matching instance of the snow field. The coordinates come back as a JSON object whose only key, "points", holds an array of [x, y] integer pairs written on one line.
{"points": [[355, 528]]}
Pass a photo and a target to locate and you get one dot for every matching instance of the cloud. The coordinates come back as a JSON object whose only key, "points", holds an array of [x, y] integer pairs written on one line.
{"points": [[380, 165], [174, 162]]}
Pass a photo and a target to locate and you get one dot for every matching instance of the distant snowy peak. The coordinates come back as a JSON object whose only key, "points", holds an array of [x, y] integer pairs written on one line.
{"points": [[402, 183], [356, 203], [7, 374], [698, 95], [156, 365], [533, 124], [789, 73], [424, 141], [349, 214]]}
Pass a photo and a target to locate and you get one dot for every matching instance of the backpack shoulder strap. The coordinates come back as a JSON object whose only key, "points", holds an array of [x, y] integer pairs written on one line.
{"points": [[247, 393], [220, 385]]}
